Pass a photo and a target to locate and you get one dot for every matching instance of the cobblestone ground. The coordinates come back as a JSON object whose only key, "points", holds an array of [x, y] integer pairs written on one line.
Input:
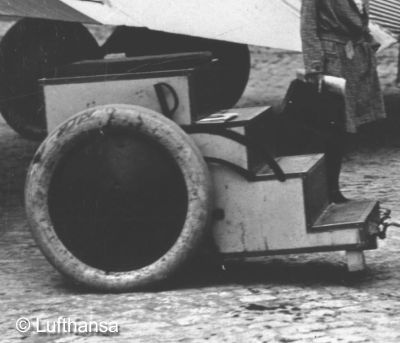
{"points": [[300, 298]]}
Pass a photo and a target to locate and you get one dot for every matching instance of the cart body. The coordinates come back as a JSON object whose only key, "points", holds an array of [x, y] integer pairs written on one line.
{"points": [[255, 203]]}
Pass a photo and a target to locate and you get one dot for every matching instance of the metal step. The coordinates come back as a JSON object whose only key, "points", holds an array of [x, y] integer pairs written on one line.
{"points": [[352, 214]]}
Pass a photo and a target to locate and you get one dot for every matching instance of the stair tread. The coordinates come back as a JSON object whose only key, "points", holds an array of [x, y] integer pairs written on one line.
{"points": [[348, 214]]}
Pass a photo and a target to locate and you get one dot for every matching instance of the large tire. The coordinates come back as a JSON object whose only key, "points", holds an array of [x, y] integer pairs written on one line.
{"points": [[234, 59], [118, 198], [30, 49]]}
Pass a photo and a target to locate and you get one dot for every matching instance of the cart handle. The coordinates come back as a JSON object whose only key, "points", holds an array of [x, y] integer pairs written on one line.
{"points": [[162, 99]]}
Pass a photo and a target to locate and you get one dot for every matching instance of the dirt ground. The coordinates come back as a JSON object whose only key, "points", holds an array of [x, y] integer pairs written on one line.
{"points": [[299, 298]]}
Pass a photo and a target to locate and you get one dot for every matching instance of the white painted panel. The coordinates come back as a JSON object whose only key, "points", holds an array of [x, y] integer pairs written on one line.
{"points": [[259, 216], [266, 216], [65, 100], [332, 238], [221, 147]]}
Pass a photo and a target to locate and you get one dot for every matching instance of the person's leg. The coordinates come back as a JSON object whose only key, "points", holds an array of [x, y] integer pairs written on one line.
{"points": [[335, 142], [334, 151]]}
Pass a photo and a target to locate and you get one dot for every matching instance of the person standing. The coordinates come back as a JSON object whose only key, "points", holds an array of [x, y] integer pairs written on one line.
{"points": [[336, 41]]}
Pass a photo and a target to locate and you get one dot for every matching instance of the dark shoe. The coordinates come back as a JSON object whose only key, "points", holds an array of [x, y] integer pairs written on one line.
{"points": [[337, 197]]}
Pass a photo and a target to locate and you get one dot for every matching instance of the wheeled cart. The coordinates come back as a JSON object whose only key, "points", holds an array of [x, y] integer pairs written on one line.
{"points": [[119, 196]]}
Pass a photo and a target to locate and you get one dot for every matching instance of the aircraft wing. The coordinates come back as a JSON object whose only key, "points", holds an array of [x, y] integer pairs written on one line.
{"points": [[271, 23], [47, 9]]}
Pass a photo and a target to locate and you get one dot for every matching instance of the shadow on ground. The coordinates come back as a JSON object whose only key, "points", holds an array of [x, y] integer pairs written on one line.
{"points": [[288, 270]]}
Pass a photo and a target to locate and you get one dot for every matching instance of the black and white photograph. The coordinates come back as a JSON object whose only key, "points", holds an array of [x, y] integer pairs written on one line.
{"points": [[200, 171]]}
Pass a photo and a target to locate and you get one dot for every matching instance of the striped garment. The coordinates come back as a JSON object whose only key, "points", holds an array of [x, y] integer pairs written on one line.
{"points": [[386, 13]]}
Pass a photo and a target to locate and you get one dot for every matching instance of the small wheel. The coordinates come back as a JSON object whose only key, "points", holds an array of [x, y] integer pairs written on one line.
{"points": [[118, 198], [30, 49], [234, 59]]}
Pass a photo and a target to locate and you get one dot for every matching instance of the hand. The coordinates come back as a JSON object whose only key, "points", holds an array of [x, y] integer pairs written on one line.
{"points": [[315, 79], [375, 45]]}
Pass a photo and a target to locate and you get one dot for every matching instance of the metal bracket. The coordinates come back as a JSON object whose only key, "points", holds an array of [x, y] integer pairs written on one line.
{"points": [[385, 222]]}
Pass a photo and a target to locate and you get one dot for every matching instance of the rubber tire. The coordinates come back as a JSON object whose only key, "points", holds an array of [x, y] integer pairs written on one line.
{"points": [[28, 51], [234, 59], [159, 129]]}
